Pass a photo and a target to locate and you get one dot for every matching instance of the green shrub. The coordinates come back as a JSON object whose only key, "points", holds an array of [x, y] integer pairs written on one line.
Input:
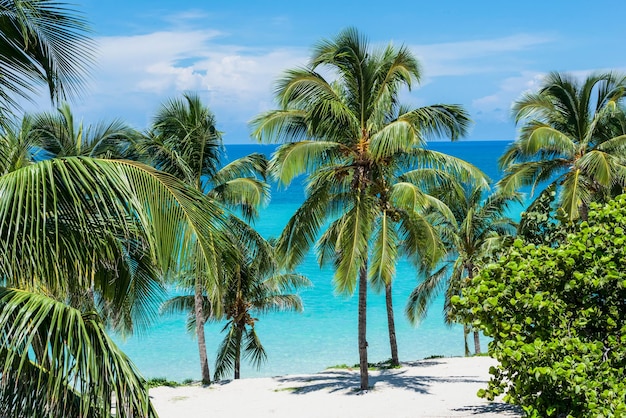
{"points": [[557, 317], [161, 381]]}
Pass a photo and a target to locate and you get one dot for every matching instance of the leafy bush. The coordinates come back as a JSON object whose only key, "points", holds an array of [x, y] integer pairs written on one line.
{"points": [[155, 382], [557, 317]]}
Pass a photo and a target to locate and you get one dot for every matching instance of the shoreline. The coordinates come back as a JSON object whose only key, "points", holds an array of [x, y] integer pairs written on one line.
{"points": [[440, 387]]}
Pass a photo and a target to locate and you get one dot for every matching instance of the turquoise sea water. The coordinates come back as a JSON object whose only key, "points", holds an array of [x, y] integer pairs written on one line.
{"points": [[325, 334]]}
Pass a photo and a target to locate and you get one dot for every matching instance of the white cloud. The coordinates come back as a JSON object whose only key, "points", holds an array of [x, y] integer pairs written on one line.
{"points": [[472, 57], [497, 106], [136, 73]]}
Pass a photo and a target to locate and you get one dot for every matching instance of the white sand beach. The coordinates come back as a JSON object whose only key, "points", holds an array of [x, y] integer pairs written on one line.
{"points": [[443, 387]]}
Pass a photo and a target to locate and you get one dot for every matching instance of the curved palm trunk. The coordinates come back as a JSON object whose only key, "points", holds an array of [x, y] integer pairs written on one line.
{"points": [[198, 308], [391, 325], [363, 326]]}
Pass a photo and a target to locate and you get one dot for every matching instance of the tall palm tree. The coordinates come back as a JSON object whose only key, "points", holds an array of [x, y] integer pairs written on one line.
{"points": [[343, 132], [43, 42], [184, 141], [573, 136], [478, 230], [403, 227], [61, 222]]}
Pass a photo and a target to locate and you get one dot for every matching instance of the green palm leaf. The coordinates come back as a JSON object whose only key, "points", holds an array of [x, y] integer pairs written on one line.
{"points": [[291, 160], [62, 361], [43, 42], [96, 195], [384, 253], [570, 128]]}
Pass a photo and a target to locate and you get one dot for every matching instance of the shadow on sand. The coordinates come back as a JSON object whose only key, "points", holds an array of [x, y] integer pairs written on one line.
{"points": [[348, 382], [499, 408], [335, 380]]}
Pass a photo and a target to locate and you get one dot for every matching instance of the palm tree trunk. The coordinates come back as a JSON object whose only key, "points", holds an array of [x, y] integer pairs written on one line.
{"points": [[391, 326], [465, 334], [238, 355], [476, 342], [199, 311], [363, 326], [470, 276]]}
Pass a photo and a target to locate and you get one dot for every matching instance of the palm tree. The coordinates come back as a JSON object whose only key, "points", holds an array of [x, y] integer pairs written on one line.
{"points": [[256, 286], [403, 227], [18, 147], [61, 223], [573, 136], [477, 232], [185, 142], [69, 226], [343, 132], [60, 136], [43, 42]]}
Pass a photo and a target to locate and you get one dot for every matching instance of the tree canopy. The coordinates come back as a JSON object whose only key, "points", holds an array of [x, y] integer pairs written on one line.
{"points": [[557, 317]]}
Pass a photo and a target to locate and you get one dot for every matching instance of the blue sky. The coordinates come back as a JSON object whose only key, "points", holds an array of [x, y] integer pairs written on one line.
{"points": [[481, 54]]}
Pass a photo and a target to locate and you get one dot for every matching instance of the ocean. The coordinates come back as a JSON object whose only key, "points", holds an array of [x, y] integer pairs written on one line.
{"points": [[325, 334]]}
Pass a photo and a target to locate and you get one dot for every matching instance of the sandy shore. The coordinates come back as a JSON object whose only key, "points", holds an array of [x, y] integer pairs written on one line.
{"points": [[427, 388]]}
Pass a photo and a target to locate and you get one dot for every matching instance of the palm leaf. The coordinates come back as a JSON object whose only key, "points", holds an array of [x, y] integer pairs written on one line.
{"points": [[43, 42], [227, 351], [291, 160], [62, 361], [384, 253], [96, 195], [253, 349]]}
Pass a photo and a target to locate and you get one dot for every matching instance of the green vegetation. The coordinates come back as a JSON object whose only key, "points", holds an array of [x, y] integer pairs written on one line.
{"points": [[381, 365], [95, 220], [364, 156], [572, 139], [558, 320], [44, 43], [155, 382], [474, 236]]}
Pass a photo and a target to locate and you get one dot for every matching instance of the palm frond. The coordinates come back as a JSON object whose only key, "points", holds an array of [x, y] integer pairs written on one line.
{"points": [[253, 349], [293, 159], [43, 42], [62, 361], [384, 253], [94, 196], [227, 352]]}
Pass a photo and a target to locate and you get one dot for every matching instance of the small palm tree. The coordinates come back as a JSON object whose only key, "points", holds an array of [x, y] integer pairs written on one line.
{"points": [[257, 286], [18, 147], [184, 142], [573, 135], [343, 132], [60, 136], [478, 231]]}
